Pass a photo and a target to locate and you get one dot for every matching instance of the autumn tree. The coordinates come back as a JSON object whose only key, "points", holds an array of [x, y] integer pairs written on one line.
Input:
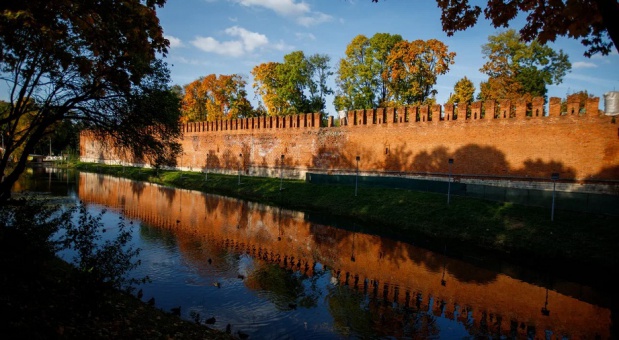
{"points": [[215, 97], [296, 85], [516, 68], [266, 83], [594, 22], [89, 61], [413, 68], [363, 74], [464, 91]]}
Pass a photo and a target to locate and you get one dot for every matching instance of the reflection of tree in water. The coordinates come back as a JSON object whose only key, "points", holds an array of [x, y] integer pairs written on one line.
{"points": [[156, 235], [288, 287], [169, 193], [137, 188], [414, 321], [349, 315], [211, 202]]}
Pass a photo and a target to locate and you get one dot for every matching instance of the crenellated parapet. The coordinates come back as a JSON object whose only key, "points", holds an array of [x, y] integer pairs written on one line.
{"points": [[296, 121], [505, 109], [463, 112]]}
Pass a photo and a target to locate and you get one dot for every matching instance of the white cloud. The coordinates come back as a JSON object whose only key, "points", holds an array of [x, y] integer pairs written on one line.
{"points": [[305, 36], [281, 7], [282, 46], [174, 41], [251, 40], [583, 64], [183, 60], [208, 44], [247, 42], [315, 19], [298, 11]]}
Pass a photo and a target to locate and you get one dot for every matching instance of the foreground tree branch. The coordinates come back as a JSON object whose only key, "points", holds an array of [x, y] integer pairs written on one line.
{"points": [[593, 22], [93, 61]]}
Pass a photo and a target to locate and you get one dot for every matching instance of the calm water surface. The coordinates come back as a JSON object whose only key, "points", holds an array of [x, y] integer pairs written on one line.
{"points": [[273, 273]]}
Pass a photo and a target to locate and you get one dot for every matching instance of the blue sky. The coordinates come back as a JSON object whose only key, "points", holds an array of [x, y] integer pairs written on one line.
{"points": [[233, 36]]}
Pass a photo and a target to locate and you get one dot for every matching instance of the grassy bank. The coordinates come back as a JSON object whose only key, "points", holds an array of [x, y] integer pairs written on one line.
{"points": [[578, 243]]}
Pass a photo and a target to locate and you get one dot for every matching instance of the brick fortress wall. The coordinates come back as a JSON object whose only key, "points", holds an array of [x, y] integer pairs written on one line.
{"points": [[503, 139]]}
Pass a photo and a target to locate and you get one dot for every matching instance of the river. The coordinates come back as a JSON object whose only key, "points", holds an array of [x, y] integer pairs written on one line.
{"points": [[274, 273]]}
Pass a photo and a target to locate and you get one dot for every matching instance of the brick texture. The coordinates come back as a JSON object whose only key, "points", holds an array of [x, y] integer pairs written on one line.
{"points": [[520, 139]]}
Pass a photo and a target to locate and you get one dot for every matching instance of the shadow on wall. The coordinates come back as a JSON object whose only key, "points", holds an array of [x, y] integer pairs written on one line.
{"points": [[609, 172], [471, 159]]}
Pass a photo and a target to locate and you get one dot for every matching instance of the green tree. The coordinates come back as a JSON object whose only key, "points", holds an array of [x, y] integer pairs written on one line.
{"points": [[516, 68], [297, 85], [93, 61], [354, 77], [592, 21], [294, 76], [381, 47], [464, 91], [320, 71], [63, 139], [178, 90], [363, 74]]}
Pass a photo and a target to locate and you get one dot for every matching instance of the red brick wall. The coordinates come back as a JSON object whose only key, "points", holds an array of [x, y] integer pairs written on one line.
{"points": [[519, 142]]}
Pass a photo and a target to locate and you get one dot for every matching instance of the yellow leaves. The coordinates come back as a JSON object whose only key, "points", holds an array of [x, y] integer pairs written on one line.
{"points": [[413, 68], [211, 98], [463, 91], [265, 83]]}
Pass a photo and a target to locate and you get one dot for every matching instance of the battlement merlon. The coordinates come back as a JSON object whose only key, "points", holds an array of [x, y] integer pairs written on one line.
{"points": [[491, 109]]}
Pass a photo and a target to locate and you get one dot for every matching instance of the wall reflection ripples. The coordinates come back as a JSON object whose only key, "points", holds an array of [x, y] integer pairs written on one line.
{"points": [[274, 273]]}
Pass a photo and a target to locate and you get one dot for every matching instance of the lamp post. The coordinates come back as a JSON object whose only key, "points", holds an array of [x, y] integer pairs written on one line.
{"points": [[240, 162], [206, 170], [281, 173], [554, 177], [181, 167], [545, 311], [357, 176], [450, 162]]}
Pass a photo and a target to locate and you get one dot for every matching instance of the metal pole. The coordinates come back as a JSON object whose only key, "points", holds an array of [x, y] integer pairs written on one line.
{"points": [[206, 170], [241, 159], [450, 162], [357, 176], [554, 177], [281, 174], [552, 211]]}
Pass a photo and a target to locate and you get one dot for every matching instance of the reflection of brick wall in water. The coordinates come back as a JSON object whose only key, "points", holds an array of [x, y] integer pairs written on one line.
{"points": [[492, 138], [397, 271]]}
